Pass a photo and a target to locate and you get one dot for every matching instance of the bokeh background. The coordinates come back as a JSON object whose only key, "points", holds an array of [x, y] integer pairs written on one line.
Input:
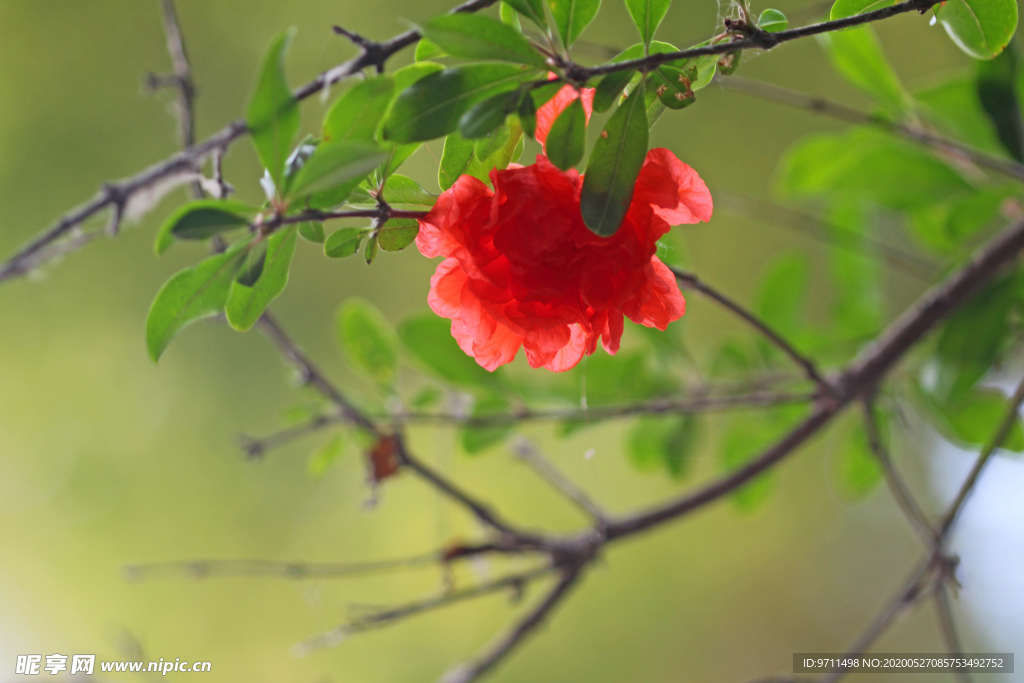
{"points": [[106, 459]]}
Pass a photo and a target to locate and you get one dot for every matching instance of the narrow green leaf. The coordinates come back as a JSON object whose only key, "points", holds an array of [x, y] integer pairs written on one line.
{"points": [[398, 233], [857, 55], [743, 440], [476, 440], [368, 340], [528, 116], [475, 36], [997, 91], [370, 250], [337, 164], [567, 136], [531, 9], [357, 114], [609, 89], [191, 294], [972, 418], [868, 165], [858, 471], [456, 158], [647, 15], [432, 106], [848, 8], [313, 231], [429, 339], [402, 190], [201, 220], [252, 264], [273, 113], [483, 117], [572, 16], [783, 293], [657, 443], [981, 28], [772, 21], [459, 157], [344, 242], [614, 165], [488, 145], [427, 50], [509, 16], [245, 303], [326, 455]]}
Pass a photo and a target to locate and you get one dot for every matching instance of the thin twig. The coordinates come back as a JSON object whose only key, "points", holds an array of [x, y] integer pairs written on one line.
{"points": [[829, 233], [1009, 421], [209, 569], [836, 110], [515, 582], [947, 628], [756, 39], [900, 492], [528, 452], [691, 281], [508, 642]]}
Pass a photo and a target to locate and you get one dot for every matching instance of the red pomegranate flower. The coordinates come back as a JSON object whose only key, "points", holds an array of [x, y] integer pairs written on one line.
{"points": [[521, 268]]}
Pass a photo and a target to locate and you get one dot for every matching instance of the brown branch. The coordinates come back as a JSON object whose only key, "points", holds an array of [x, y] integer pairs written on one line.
{"points": [[900, 492], [117, 194], [209, 569], [514, 582], [528, 452], [947, 628], [836, 110], [755, 39], [691, 281], [508, 642]]}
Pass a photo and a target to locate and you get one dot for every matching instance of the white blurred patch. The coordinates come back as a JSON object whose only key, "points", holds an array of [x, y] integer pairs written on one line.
{"points": [[145, 200]]}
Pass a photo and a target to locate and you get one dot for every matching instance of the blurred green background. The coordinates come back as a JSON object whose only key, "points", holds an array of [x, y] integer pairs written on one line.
{"points": [[106, 459]]}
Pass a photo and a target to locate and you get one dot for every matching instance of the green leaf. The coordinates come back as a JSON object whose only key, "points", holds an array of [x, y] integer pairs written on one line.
{"points": [[474, 36], [432, 106], [245, 303], [370, 250], [273, 113], [531, 9], [971, 420], [954, 109], [567, 136], [657, 443], [858, 471], [201, 220], [783, 293], [326, 455], [252, 264], [848, 8], [429, 339], [528, 115], [368, 340], [981, 28], [997, 92], [572, 16], [674, 86], [972, 340], [475, 440], [614, 165], [742, 442], [772, 21], [397, 234], [402, 190], [344, 242], [357, 114], [948, 226], [337, 166], [459, 157], [865, 164], [857, 55], [647, 15], [483, 117], [488, 145], [426, 50], [609, 89], [313, 231], [192, 294]]}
